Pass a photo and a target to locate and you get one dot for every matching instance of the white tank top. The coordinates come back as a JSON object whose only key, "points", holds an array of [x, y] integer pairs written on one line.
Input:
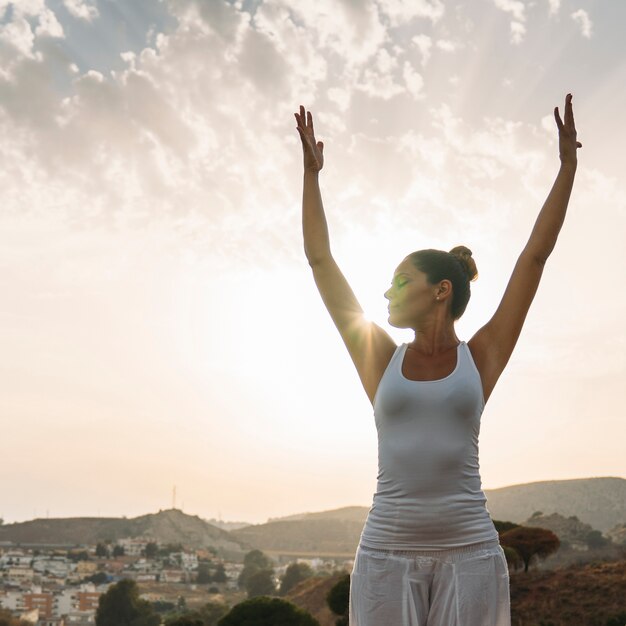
{"points": [[429, 493]]}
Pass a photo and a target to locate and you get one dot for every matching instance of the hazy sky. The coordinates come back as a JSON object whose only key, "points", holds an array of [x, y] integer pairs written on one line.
{"points": [[159, 323]]}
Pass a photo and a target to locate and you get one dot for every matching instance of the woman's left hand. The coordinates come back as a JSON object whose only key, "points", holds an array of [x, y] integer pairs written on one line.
{"points": [[567, 133]]}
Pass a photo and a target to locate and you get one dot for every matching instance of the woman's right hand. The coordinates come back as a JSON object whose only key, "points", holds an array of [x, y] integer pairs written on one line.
{"points": [[313, 152]]}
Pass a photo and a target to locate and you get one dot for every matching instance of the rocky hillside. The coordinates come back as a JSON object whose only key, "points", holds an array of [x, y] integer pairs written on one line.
{"points": [[310, 595], [588, 595], [171, 526], [329, 537], [596, 502], [600, 502]]}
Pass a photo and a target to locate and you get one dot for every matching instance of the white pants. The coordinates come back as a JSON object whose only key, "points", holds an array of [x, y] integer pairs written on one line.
{"points": [[466, 586]]}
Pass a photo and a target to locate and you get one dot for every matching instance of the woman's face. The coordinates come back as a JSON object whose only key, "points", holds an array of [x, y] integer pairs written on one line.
{"points": [[410, 296]]}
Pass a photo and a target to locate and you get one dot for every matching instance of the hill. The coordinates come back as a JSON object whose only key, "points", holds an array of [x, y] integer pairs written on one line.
{"points": [[170, 526], [304, 537], [599, 502], [588, 594], [310, 595]]}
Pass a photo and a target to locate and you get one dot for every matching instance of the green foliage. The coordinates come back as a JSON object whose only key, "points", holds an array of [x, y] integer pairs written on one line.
{"points": [[98, 578], [151, 550], [77, 555], [122, 606], [204, 574], [595, 539], [502, 527], [220, 574], [101, 550], [294, 574], [261, 583], [513, 559], [118, 550], [255, 561], [162, 606], [186, 620], [167, 549], [208, 615], [338, 598], [212, 612], [529, 542], [264, 611]]}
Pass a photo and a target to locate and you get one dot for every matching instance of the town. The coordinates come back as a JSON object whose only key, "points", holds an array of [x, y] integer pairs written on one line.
{"points": [[54, 585]]}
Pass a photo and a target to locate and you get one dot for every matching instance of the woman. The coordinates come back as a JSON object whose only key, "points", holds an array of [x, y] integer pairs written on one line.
{"points": [[429, 552]]}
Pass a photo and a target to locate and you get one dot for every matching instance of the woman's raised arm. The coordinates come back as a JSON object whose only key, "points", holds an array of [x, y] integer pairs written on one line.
{"points": [[370, 347], [493, 344]]}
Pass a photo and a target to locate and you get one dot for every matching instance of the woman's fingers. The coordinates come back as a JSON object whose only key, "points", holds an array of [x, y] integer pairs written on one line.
{"points": [[569, 111], [557, 117]]}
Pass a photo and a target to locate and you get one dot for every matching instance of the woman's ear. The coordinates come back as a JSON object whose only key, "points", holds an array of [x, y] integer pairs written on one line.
{"points": [[444, 290]]}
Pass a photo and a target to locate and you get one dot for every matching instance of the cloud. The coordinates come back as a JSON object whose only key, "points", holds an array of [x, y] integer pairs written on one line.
{"points": [[402, 11], [424, 44], [517, 10], [581, 17], [555, 5], [81, 9]]}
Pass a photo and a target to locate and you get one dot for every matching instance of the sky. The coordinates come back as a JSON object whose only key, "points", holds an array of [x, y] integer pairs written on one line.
{"points": [[159, 324]]}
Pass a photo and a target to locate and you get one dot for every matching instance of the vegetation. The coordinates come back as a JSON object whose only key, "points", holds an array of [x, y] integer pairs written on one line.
{"points": [[118, 551], [151, 550], [102, 551], [502, 527], [264, 611], [530, 542], [295, 573], [204, 574], [261, 583], [122, 606], [257, 576], [208, 615], [220, 574], [338, 599]]}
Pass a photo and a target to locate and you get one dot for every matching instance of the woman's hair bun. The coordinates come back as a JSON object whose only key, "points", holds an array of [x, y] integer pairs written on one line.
{"points": [[464, 255]]}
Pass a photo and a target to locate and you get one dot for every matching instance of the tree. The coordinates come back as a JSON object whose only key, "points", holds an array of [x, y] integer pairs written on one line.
{"points": [[529, 542], [98, 578], [101, 550], [186, 620], [118, 550], [151, 550], [212, 612], [338, 599], [204, 575], [253, 562], [261, 583], [220, 574], [513, 559], [502, 527], [264, 611], [258, 559], [595, 539], [122, 606], [295, 573], [81, 555]]}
